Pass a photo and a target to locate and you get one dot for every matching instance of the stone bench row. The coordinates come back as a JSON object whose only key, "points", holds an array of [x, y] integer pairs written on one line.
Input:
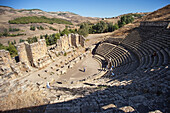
{"points": [[120, 57], [104, 49], [122, 60], [146, 49]]}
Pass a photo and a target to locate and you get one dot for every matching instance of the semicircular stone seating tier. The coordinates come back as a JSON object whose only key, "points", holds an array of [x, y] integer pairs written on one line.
{"points": [[144, 48], [123, 60]]}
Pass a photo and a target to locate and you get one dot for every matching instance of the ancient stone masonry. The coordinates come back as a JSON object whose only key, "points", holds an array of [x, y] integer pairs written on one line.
{"points": [[73, 40], [9, 68], [5, 61], [77, 40], [23, 53], [34, 54], [65, 42], [81, 40]]}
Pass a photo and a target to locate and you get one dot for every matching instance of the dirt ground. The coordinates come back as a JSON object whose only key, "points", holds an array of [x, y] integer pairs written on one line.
{"points": [[76, 73]]}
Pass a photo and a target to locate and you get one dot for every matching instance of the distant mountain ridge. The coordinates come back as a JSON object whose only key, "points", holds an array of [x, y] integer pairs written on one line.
{"points": [[74, 18]]}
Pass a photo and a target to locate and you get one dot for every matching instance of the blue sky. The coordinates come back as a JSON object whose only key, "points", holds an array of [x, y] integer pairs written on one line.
{"points": [[92, 8]]}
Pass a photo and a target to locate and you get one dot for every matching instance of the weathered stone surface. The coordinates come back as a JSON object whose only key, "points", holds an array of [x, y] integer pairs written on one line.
{"points": [[5, 63], [81, 40], [34, 54], [22, 52]]}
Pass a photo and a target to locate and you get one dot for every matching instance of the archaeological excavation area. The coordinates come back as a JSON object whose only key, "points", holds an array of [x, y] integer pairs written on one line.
{"points": [[129, 74]]}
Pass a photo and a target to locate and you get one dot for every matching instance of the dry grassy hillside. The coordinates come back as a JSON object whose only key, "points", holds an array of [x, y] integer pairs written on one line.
{"points": [[8, 13], [162, 14]]}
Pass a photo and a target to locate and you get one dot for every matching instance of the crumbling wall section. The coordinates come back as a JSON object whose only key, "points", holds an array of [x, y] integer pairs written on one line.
{"points": [[65, 42], [23, 57], [69, 40], [29, 53], [77, 40], [81, 40], [59, 45], [73, 40], [34, 54], [5, 62], [39, 54]]}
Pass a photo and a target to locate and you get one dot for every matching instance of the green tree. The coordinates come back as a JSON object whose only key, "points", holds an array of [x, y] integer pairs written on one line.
{"points": [[65, 31], [84, 29], [12, 50], [125, 20], [116, 27], [100, 27], [110, 27]]}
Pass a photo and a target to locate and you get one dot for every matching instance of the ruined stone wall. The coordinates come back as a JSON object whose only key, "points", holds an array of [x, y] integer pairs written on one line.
{"points": [[81, 40], [65, 42], [38, 49], [59, 45], [69, 40], [29, 53], [77, 40], [5, 61], [39, 54], [23, 57], [34, 54], [73, 40]]}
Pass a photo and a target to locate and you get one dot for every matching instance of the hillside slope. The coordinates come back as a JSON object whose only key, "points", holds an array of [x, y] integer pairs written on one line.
{"points": [[8, 13], [162, 14]]}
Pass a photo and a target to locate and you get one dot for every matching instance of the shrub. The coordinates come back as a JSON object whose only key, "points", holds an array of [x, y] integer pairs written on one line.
{"points": [[21, 40], [51, 28], [11, 48], [65, 54], [32, 40], [32, 28], [40, 28], [13, 29]]}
